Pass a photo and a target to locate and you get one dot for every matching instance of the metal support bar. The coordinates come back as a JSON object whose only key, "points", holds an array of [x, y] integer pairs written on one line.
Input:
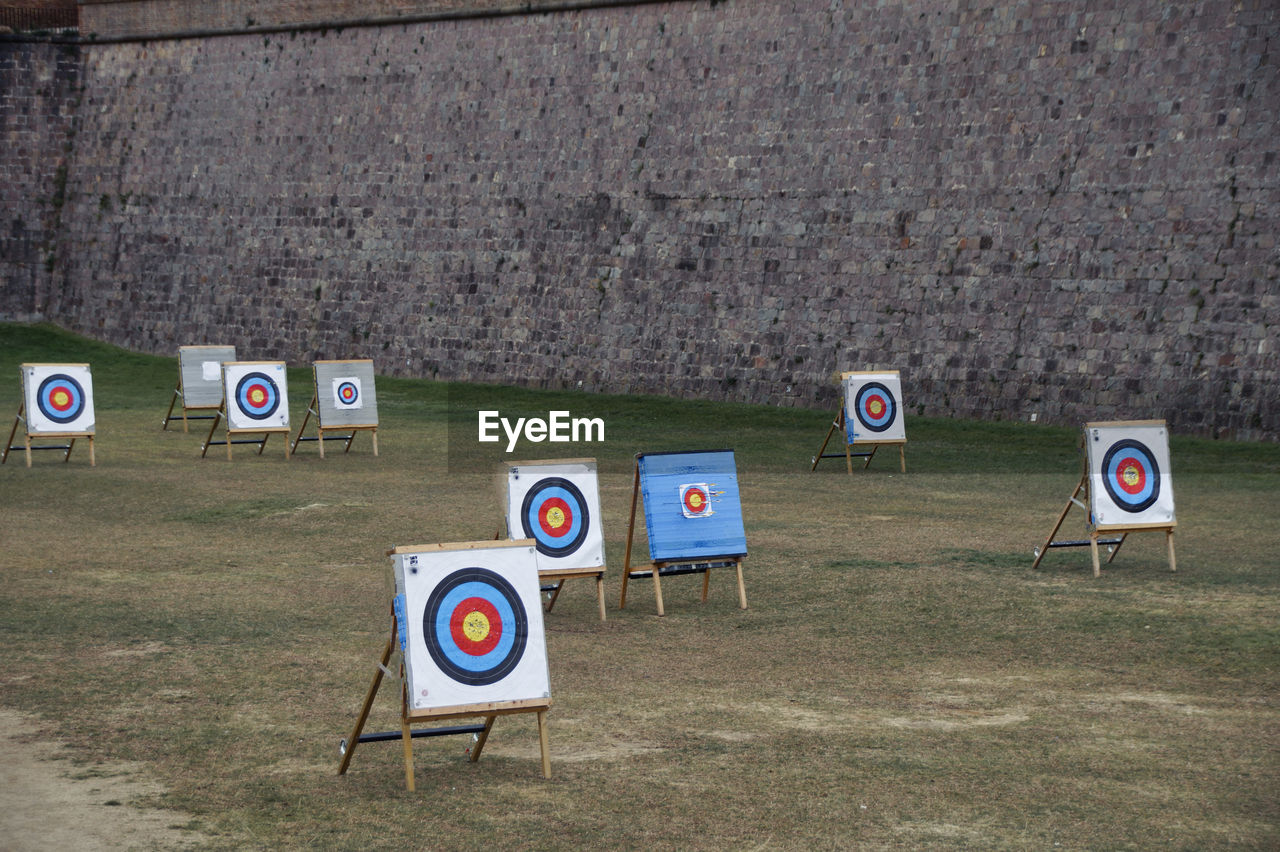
{"points": [[383, 736]]}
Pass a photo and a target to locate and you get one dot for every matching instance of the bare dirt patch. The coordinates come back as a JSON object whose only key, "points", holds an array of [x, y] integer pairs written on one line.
{"points": [[47, 802]]}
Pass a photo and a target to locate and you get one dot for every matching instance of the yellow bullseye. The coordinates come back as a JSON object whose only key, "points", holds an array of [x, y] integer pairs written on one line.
{"points": [[476, 626], [1131, 475], [877, 408], [555, 517], [695, 500], [61, 399]]}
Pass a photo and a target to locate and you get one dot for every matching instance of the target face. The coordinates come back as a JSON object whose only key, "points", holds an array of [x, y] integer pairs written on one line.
{"points": [[346, 393], [470, 622], [256, 395], [1129, 469], [557, 504], [555, 515], [475, 626], [1130, 475], [59, 397], [873, 407], [695, 500]]}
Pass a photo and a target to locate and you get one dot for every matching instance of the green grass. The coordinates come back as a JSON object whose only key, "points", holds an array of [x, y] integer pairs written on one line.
{"points": [[901, 679]]}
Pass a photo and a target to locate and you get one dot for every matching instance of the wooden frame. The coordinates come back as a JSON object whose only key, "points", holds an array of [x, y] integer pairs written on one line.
{"points": [[840, 422], [672, 567], [489, 712], [265, 431], [554, 577], [315, 408], [28, 434], [181, 392], [1082, 498]]}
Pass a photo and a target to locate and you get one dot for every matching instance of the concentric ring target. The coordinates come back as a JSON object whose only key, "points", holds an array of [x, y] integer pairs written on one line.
{"points": [[60, 398], [475, 626], [1130, 475], [348, 393], [554, 514], [874, 407], [695, 501], [257, 395]]}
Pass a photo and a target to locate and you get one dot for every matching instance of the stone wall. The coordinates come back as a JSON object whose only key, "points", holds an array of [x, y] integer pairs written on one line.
{"points": [[1060, 209]]}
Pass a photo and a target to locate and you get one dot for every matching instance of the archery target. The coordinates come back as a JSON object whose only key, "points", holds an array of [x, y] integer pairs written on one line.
{"points": [[692, 505], [1130, 475], [346, 393], [473, 621], [557, 504], [695, 500], [873, 407], [59, 398], [256, 395], [200, 374], [476, 625]]}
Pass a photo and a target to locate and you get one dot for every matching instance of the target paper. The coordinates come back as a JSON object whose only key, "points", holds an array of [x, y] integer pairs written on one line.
{"points": [[473, 620], [256, 394], [692, 506], [873, 407], [1130, 478], [345, 393], [58, 398], [200, 372], [556, 503]]}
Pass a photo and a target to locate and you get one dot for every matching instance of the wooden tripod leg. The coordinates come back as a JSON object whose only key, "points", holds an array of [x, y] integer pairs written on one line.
{"points": [[375, 441], [1093, 551], [657, 588], [631, 528], [406, 738], [354, 739], [600, 593], [1044, 548], [544, 744], [555, 595], [902, 457], [93, 461], [866, 464], [706, 584], [482, 738], [823, 448], [8, 445], [168, 415], [1116, 549], [1173, 563], [262, 445], [70, 446], [27, 444], [209, 440], [742, 588], [306, 417]]}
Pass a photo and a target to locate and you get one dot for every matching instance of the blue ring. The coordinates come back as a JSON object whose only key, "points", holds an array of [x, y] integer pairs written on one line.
{"points": [[257, 412], [875, 424], [52, 383]]}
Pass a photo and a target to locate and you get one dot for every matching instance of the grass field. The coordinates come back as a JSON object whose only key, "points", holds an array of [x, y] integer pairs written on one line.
{"points": [[901, 679]]}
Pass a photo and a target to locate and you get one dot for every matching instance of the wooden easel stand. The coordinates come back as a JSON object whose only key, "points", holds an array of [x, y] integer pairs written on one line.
{"points": [[321, 437], [261, 442], [177, 394], [489, 711], [28, 447], [849, 455]]}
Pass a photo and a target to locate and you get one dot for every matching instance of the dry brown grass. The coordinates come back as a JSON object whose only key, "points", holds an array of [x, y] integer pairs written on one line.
{"points": [[902, 679]]}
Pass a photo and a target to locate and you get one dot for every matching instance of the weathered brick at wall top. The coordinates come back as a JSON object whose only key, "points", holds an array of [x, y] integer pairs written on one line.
{"points": [[1060, 209]]}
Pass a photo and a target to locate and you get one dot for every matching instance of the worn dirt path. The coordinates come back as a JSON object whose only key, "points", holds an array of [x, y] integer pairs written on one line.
{"points": [[46, 802]]}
